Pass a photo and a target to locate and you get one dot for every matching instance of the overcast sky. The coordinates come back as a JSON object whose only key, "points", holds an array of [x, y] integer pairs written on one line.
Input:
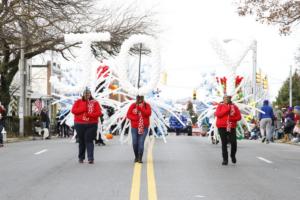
{"points": [[189, 25]]}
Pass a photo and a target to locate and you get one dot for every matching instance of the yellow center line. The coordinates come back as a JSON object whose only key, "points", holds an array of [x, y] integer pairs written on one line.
{"points": [[136, 182], [152, 195]]}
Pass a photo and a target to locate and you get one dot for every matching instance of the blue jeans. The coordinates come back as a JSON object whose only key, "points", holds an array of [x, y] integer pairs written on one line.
{"points": [[138, 141]]}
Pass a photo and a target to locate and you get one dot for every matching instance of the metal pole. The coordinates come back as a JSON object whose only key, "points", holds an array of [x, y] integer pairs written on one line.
{"points": [[139, 75], [22, 88], [291, 86], [254, 70]]}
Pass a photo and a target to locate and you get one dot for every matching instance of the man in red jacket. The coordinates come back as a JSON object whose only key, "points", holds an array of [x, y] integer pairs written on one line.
{"points": [[139, 115], [227, 115], [87, 112]]}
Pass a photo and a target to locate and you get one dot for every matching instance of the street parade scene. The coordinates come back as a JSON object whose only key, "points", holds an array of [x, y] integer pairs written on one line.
{"points": [[141, 99]]}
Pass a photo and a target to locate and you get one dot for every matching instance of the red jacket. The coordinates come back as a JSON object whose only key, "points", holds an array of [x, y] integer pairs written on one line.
{"points": [[133, 116], [86, 112], [223, 114]]}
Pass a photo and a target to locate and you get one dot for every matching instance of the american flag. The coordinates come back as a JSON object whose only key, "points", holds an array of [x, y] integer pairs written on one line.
{"points": [[38, 105]]}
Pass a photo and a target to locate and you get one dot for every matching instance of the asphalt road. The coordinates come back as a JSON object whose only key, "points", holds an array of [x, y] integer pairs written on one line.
{"points": [[184, 168]]}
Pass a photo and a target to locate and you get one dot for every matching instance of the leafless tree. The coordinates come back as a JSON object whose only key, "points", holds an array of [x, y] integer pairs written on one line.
{"points": [[43, 22], [285, 13]]}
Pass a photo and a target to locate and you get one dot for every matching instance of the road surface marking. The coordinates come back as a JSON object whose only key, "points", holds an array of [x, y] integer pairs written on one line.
{"points": [[150, 172], [136, 182], [265, 160], [40, 152], [200, 196]]}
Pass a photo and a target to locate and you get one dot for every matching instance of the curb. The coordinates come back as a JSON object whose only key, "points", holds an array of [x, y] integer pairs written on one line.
{"points": [[13, 140]]}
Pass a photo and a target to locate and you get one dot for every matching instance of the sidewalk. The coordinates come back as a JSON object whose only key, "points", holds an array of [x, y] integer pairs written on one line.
{"points": [[19, 139], [279, 142]]}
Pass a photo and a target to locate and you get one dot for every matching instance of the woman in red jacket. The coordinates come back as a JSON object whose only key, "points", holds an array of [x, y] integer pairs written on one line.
{"points": [[139, 115], [227, 115], [87, 112]]}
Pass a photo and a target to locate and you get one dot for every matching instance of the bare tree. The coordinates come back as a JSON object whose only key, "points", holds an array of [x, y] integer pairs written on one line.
{"points": [[285, 13], [43, 22]]}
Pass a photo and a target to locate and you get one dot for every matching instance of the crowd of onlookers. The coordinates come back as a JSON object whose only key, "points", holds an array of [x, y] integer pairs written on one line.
{"points": [[276, 124]]}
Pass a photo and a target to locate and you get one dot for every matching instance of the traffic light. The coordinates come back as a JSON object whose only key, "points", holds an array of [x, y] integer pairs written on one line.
{"points": [[258, 77], [165, 78], [265, 83], [194, 94]]}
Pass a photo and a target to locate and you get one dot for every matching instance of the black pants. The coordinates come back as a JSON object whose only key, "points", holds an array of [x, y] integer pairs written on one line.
{"points": [[1, 135], [86, 136], [99, 141], [225, 138], [65, 130]]}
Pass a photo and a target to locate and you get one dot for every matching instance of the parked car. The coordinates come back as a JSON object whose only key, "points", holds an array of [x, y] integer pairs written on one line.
{"points": [[185, 126]]}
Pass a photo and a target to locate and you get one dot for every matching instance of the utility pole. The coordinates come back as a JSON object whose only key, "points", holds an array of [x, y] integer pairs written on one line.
{"points": [[22, 87], [291, 86], [22, 70]]}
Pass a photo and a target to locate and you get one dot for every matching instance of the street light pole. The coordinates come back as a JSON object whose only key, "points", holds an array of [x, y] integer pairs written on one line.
{"points": [[291, 86], [254, 69], [140, 62]]}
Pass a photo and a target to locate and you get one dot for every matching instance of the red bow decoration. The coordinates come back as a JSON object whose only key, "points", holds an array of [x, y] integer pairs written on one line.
{"points": [[238, 80]]}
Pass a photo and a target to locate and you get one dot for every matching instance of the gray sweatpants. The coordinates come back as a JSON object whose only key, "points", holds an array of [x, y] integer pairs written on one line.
{"points": [[266, 128]]}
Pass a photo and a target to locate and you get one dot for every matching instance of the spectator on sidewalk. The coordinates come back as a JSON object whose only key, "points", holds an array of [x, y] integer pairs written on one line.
{"points": [[278, 114], [227, 115], [254, 130], [265, 120], [45, 122], [2, 114], [296, 133], [289, 124], [139, 115]]}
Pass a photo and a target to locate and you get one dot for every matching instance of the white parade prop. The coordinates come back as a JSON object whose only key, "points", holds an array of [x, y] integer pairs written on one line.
{"points": [[75, 79], [127, 75], [231, 89]]}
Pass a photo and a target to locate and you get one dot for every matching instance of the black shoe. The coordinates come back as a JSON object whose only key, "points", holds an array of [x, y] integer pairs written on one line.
{"points": [[91, 161], [80, 161], [263, 140], [225, 162], [102, 143], [136, 160], [233, 159], [140, 161], [139, 158]]}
